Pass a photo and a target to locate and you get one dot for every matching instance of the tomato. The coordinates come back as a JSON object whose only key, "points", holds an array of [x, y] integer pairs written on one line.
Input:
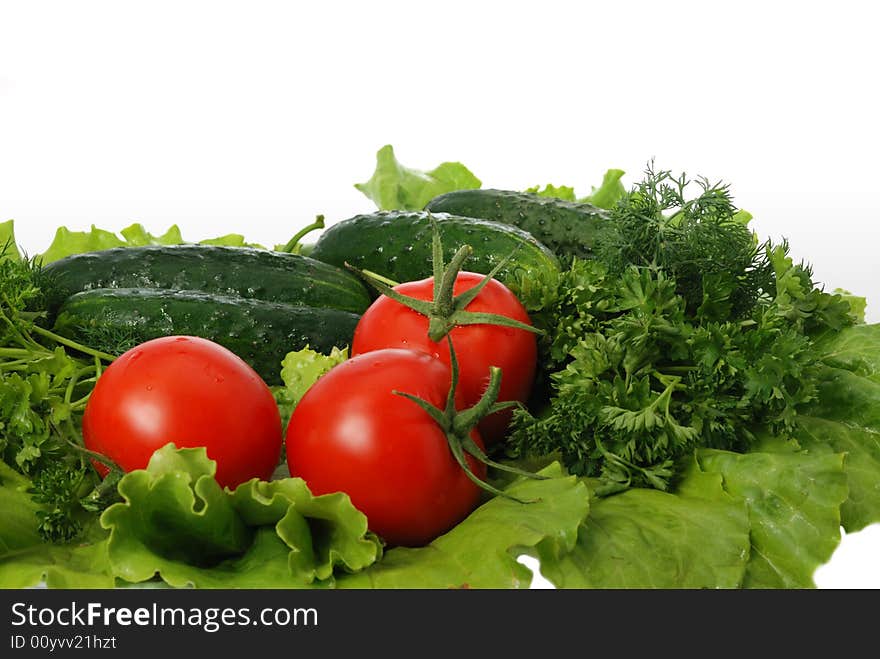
{"points": [[189, 391], [352, 433], [390, 324]]}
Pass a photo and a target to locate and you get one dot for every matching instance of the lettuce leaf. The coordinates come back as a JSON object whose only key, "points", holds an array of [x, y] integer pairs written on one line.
{"points": [[481, 551], [855, 349], [793, 500], [605, 196], [8, 247], [26, 561], [611, 189], [697, 537], [846, 418], [395, 187], [753, 520], [177, 523], [300, 369], [58, 566], [559, 192], [67, 242], [18, 513]]}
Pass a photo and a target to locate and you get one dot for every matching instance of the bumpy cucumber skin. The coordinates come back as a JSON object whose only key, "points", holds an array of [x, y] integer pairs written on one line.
{"points": [[567, 228], [258, 331], [398, 245], [236, 271]]}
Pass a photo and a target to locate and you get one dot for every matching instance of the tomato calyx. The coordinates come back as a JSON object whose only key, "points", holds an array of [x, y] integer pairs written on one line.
{"points": [[447, 311], [457, 426]]}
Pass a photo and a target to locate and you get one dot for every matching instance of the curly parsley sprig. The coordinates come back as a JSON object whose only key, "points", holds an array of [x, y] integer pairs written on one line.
{"points": [[683, 332], [45, 382]]}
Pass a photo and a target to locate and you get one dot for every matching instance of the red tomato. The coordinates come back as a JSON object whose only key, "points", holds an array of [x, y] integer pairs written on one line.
{"points": [[351, 433], [189, 391], [389, 324]]}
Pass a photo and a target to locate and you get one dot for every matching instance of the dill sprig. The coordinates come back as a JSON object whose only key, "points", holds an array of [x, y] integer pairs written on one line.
{"points": [[702, 242]]}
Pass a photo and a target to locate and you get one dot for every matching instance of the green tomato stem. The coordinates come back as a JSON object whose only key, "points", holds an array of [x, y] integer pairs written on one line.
{"points": [[457, 426]]}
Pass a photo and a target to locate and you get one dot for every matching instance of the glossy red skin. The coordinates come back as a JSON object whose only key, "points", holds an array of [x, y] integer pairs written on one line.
{"points": [[389, 324], [351, 433], [189, 391]]}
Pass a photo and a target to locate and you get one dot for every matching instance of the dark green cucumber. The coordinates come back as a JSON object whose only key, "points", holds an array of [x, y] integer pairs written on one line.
{"points": [[567, 228], [398, 244], [260, 332], [239, 271]]}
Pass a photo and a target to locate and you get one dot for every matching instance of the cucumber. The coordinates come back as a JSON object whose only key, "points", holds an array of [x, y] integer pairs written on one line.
{"points": [[238, 271], [260, 332], [566, 227], [398, 245]]}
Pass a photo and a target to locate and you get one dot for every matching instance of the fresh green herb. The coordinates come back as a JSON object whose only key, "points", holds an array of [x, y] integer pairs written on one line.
{"points": [[683, 333], [43, 392], [702, 243]]}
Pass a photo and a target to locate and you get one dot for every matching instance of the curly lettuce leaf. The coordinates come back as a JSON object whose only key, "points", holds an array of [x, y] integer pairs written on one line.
{"points": [[559, 192], [611, 189], [857, 304], [323, 532], [855, 349], [861, 466], [67, 242], [793, 501], [395, 187], [605, 196], [177, 523], [697, 537], [300, 369], [481, 551], [846, 418], [229, 240]]}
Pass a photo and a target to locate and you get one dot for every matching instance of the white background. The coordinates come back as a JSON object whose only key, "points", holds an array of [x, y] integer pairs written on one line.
{"points": [[252, 117]]}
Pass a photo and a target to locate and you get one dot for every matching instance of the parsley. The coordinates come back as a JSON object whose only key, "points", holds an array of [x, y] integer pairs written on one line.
{"points": [[684, 332], [45, 382]]}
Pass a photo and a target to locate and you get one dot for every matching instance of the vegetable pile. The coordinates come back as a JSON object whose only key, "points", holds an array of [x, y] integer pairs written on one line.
{"points": [[630, 386]]}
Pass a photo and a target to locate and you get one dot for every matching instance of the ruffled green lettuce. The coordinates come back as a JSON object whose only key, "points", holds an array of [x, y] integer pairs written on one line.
{"points": [[604, 196], [67, 242], [395, 187], [300, 369], [178, 524], [846, 418]]}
